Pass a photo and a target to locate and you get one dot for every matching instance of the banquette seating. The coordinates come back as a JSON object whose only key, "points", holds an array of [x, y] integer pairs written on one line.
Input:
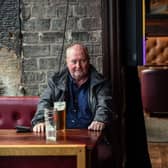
{"points": [[154, 75], [154, 88], [17, 110]]}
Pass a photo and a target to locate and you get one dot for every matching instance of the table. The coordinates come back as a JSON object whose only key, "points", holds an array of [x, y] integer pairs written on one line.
{"points": [[73, 147]]}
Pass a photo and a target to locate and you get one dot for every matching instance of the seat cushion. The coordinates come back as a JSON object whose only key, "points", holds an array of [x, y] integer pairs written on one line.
{"points": [[17, 110]]}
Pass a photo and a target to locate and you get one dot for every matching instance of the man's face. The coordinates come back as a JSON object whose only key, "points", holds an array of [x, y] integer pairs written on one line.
{"points": [[77, 62]]}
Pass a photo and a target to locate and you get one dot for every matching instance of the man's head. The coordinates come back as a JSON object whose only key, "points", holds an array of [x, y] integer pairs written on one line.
{"points": [[77, 60]]}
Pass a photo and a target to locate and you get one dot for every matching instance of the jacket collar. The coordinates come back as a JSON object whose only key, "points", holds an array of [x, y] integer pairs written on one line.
{"points": [[95, 78]]}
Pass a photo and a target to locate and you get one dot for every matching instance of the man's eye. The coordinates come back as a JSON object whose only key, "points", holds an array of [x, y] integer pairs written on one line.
{"points": [[80, 61], [73, 62], [84, 61]]}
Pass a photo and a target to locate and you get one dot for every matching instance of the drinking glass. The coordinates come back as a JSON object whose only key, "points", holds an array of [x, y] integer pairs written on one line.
{"points": [[50, 124]]}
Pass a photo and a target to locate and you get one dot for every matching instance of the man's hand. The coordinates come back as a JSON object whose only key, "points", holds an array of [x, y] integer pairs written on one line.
{"points": [[39, 128], [96, 126]]}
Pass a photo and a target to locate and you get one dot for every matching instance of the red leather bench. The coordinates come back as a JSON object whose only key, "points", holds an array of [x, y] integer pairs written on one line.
{"points": [[156, 60], [154, 91], [17, 110]]}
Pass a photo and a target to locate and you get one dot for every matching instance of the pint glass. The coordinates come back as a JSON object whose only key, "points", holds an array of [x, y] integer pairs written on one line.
{"points": [[60, 115]]}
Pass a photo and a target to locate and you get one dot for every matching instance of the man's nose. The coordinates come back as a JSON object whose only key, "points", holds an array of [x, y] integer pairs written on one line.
{"points": [[78, 64]]}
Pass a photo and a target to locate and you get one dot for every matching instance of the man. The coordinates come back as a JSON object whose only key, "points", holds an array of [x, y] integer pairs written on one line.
{"points": [[87, 95], [86, 92]]}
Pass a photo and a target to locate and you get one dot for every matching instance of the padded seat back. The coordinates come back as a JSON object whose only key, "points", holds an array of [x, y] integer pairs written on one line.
{"points": [[154, 90], [157, 51], [17, 110]]}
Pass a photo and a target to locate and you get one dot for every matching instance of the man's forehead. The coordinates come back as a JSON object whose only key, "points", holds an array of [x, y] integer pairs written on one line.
{"points": [[76, 48], [75, 51]]}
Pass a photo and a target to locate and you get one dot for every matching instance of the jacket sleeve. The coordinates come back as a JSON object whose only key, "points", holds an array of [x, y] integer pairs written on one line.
{"points": [[46, 101], [103, 108]]}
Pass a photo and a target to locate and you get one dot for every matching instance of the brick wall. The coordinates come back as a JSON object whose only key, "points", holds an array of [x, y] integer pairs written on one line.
{"points": [[42, 28], [9, 24]]}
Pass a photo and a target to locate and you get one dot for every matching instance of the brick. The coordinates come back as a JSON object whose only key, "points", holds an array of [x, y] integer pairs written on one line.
{"points": [[55, 49], [29, 25], [80, 36], [90, 23], [45, 2], [72, 24], [51, 37], [29, 51], [36, 25], [95, 36], [95, 49], [26, 12], [79, 10], [94, 10], [38, 11], [57, 24], [48, 63], [42, 25], [32, 89], [88, 1], [73, 1], [58, 11], [30, 38], [34, 77], [30, 64]]}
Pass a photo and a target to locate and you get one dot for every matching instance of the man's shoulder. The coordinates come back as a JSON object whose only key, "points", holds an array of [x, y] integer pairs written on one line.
{"points": [[59, 75], [95, 75]]}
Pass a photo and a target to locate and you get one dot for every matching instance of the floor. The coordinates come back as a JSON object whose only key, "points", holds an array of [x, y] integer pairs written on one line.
{"points": [[158, 154], [157, 135]]}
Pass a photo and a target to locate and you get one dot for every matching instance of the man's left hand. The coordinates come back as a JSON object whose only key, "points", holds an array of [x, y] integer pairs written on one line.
{"points": [[96, 126]]}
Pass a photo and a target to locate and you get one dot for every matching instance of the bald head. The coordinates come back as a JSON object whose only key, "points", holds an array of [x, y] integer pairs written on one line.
{"points": [[78, 47]]}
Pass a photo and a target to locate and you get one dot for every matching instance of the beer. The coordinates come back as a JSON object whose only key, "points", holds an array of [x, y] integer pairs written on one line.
{"points": [[60, 115]]}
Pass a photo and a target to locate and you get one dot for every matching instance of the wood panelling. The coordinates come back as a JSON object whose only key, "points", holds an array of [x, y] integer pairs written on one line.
{"points": [[157, 26]]}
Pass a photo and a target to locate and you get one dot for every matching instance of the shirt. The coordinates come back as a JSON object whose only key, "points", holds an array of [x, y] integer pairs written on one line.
{"points": [[78, 112]]}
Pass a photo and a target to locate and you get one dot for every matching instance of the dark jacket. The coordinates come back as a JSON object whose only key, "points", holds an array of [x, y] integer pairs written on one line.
{"points": [[100, 96]]}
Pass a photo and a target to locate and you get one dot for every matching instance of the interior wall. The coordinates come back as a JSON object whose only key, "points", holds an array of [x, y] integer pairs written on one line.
{"points": [[37, 32]]}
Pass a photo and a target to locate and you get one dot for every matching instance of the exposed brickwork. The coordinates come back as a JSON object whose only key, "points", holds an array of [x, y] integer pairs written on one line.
{"points": [[42, 27], [10, 24]]}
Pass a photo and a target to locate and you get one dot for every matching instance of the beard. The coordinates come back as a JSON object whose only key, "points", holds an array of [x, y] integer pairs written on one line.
{"points": [[79, 75]]}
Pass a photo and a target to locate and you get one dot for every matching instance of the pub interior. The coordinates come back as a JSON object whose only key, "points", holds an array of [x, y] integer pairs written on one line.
{"points": [[127, 43]]}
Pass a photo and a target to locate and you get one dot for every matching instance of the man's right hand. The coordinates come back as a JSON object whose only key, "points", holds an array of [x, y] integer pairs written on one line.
{"points": [[40, 127]]}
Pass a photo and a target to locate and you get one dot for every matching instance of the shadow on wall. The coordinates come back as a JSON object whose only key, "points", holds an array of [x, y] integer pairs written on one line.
{"points": [[9, 73], [2, 88]]}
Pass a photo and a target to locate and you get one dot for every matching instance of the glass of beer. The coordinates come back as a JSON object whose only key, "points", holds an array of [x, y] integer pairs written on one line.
{"points": [[60, 115]]}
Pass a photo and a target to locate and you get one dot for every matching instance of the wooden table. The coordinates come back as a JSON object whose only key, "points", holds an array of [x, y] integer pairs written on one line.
{"points": [[23, 150]]}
